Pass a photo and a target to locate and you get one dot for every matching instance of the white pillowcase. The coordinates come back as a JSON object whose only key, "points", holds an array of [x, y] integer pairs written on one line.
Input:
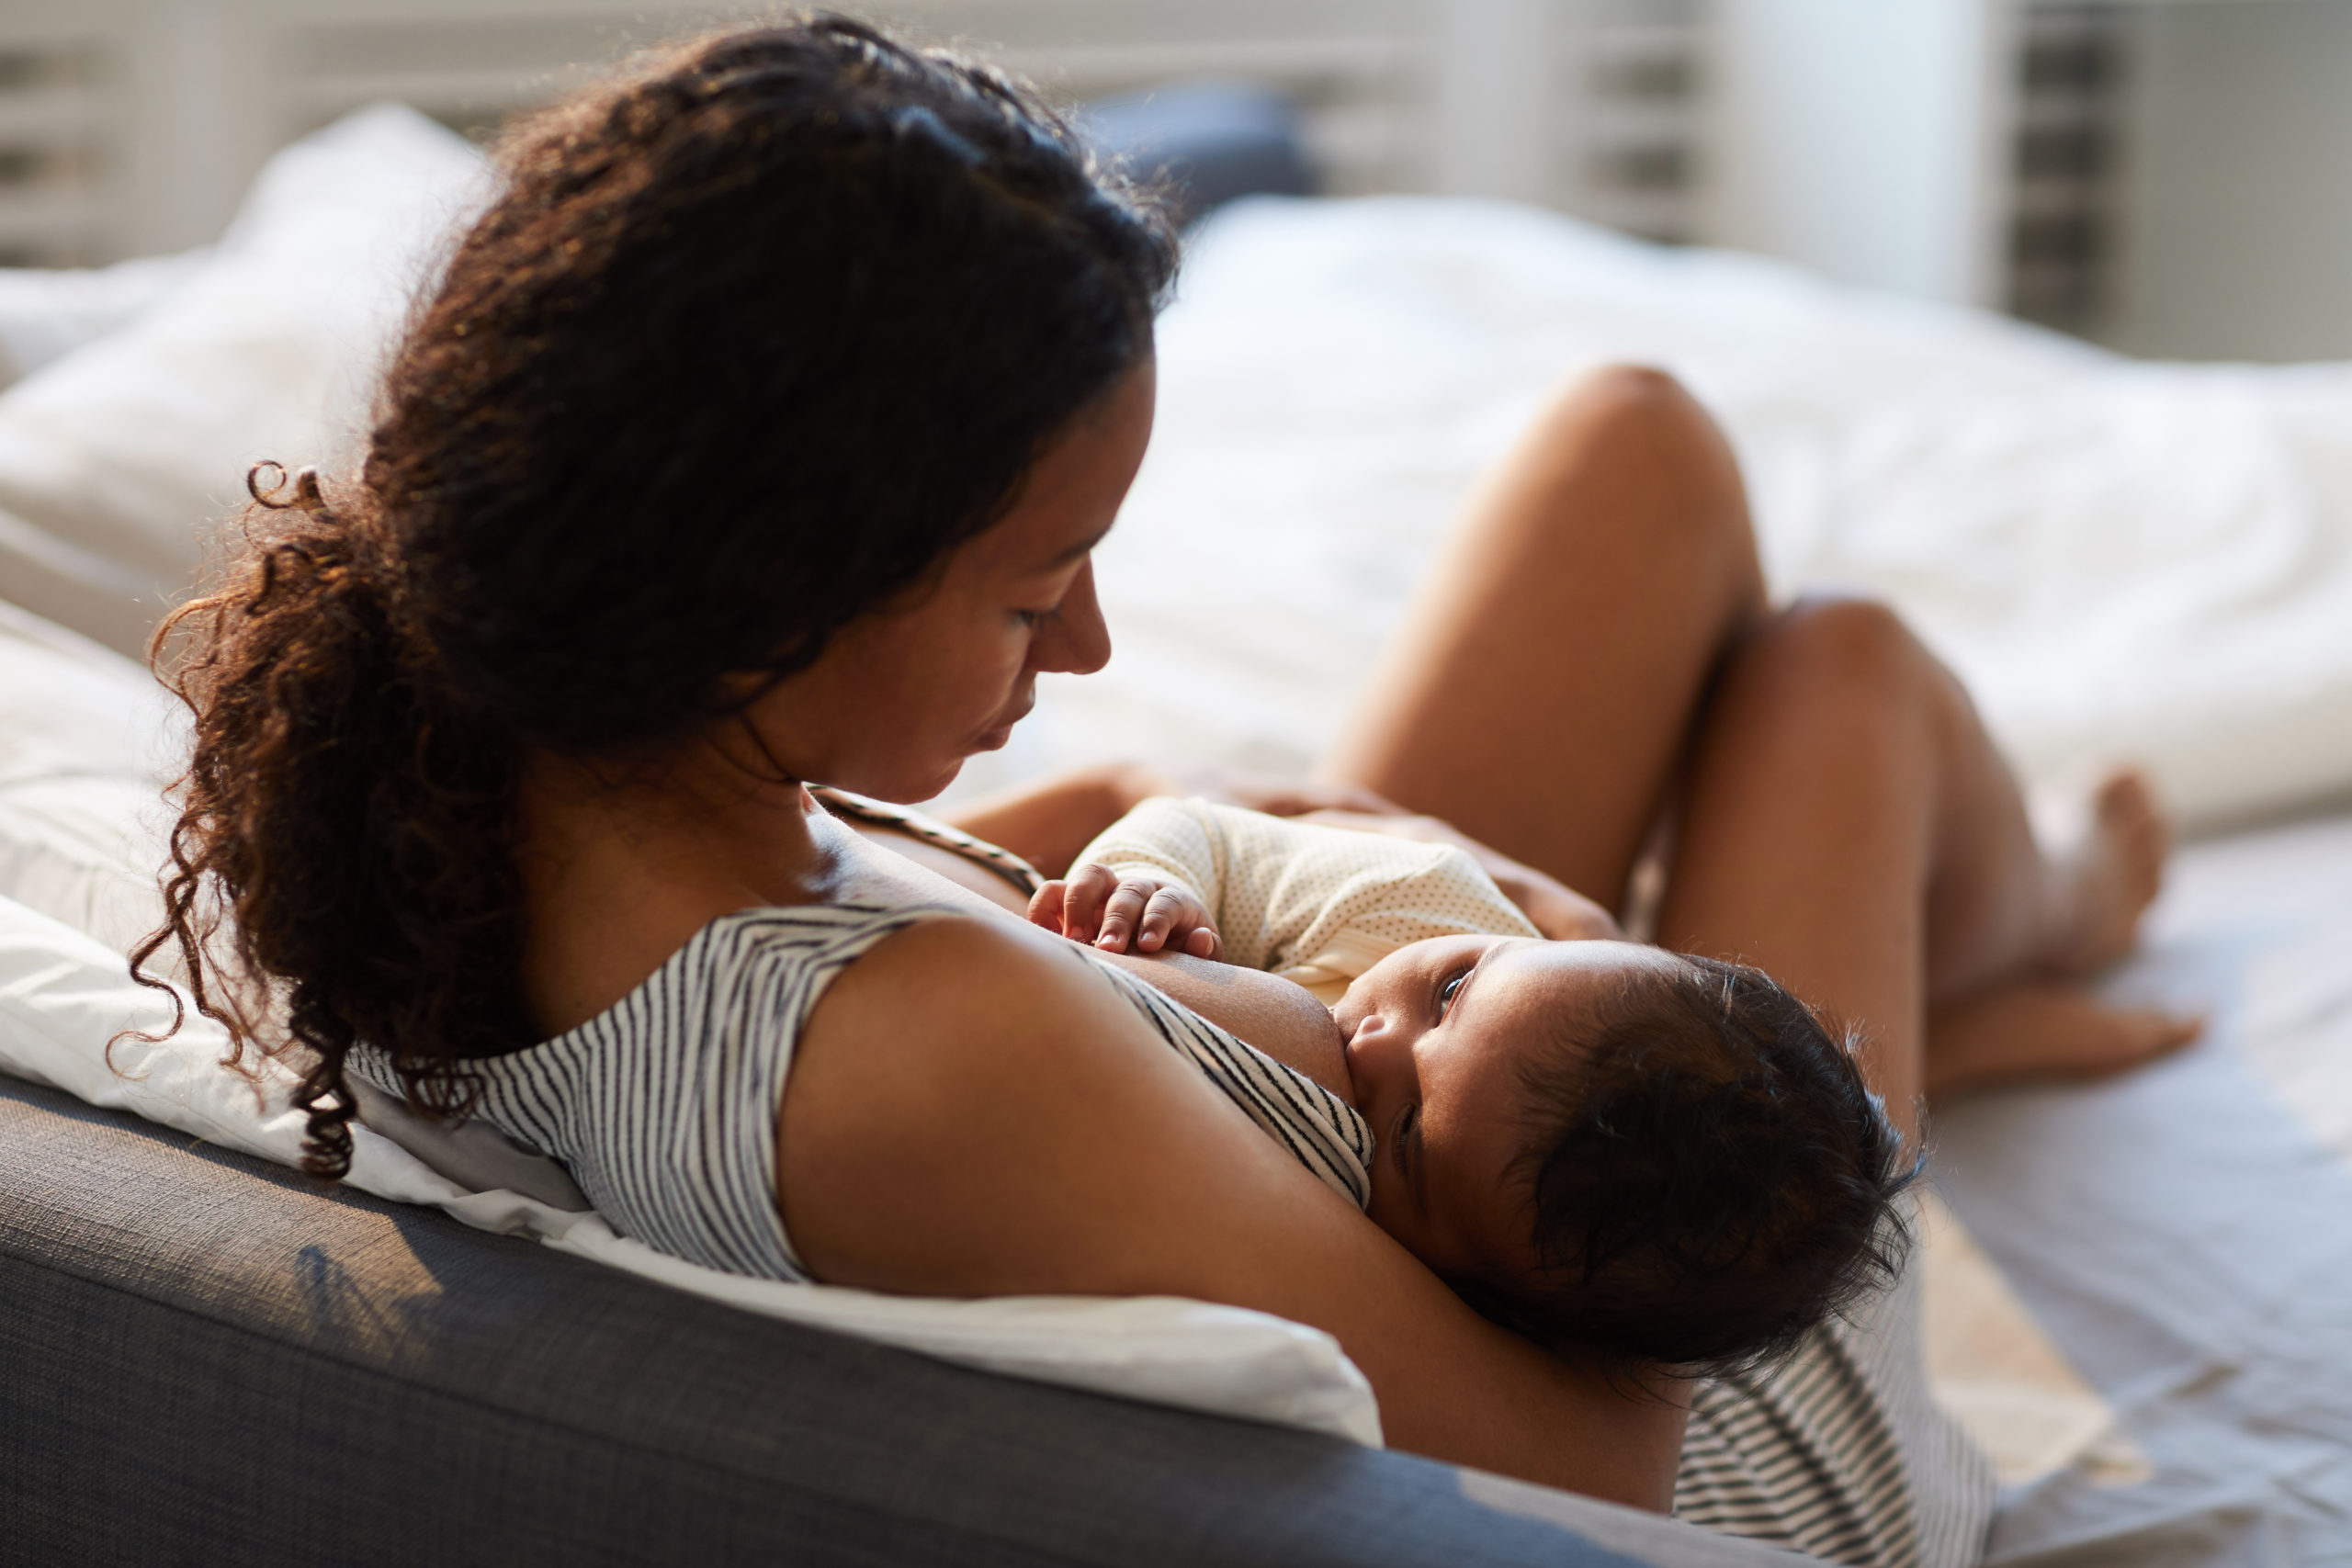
{"points": [[63, 996], [87, 741], [85, 734], [116, 461], [46, 315]]}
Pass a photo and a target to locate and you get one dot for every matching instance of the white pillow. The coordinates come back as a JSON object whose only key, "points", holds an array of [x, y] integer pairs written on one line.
{"points": [[84, 735], [116, 461], [46, 315], [63, 996], [87, 741]]}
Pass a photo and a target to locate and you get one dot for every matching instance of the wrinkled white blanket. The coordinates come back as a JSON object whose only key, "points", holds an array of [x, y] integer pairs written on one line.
{"points": [[2153, 561], [2123, 559]]}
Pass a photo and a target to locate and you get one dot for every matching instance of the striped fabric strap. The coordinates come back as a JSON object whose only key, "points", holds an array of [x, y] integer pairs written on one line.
{"points": [[904, 819], [1322, 1132]]}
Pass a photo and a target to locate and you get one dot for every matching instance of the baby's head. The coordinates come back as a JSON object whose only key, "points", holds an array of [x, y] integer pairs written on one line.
{"points": [[1654, 1156]]}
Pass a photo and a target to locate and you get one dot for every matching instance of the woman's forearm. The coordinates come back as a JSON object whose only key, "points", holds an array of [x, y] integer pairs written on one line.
{"points": [[1048, 822]]}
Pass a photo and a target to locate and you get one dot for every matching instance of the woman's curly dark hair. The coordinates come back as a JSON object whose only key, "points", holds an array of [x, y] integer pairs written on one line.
{"points": [[752, 337], [1707, 1176]]}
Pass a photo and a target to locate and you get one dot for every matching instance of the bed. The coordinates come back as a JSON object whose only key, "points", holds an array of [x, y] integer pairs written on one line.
{"points": [[2139, 1292]]}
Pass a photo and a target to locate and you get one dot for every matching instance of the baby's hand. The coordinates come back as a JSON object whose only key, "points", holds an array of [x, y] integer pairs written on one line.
{"points": [[1141, 910]]}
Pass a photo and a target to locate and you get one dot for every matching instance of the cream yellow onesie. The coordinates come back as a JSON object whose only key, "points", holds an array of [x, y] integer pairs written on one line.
{"points": [[1315, 905]]}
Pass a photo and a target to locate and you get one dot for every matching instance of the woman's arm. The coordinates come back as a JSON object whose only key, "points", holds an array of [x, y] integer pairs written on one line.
{"points": [[1047, 822], [975, 1111]]}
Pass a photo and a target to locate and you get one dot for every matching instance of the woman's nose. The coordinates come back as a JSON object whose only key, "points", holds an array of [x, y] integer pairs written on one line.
{"points": [[1074, 639]]}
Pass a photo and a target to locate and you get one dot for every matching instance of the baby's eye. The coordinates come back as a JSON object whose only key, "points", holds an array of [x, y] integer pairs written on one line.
{"points": [[1032, 619], [1446, 992]]}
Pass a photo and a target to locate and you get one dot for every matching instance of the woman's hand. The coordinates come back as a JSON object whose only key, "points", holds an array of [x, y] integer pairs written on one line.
{"points": [[1139, 911]]}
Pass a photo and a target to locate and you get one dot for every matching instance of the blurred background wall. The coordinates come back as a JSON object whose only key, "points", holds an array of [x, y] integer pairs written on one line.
{"points": [[2163, 175]]}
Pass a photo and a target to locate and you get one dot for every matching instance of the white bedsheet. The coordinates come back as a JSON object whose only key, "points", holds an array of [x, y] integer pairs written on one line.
{"points": [[2184, 1235], [2125, 560]]}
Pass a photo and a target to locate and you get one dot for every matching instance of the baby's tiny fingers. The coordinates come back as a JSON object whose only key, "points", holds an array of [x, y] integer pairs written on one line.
{"points": [[1045, 905], [1161, 919], [1121, 915], [1089, 885], [1205, 944], [1174, 914]]}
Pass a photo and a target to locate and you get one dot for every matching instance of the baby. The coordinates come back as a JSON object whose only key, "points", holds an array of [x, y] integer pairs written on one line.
{"points": [[1597, 1143]]}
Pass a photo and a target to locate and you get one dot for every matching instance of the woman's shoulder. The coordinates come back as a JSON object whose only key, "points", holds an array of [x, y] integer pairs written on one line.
{"points": [[928, 964], [765, 958], [930, 971]]}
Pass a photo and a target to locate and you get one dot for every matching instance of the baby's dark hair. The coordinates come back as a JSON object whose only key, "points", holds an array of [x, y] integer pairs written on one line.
{"points": [[1709, 1175]]}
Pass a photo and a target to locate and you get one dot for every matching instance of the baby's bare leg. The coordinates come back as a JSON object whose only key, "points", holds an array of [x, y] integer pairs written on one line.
{"points": [[1545, 681]]}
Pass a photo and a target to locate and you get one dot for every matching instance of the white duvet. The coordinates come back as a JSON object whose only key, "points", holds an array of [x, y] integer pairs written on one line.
{"points": [[2125, 560]]}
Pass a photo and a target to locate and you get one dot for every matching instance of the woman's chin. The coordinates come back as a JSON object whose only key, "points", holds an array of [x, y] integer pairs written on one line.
{"points": [[912, 780], [901, 785]]}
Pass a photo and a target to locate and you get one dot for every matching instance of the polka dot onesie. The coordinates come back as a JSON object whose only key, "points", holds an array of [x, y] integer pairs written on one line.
{"points": [[1315, 905]]}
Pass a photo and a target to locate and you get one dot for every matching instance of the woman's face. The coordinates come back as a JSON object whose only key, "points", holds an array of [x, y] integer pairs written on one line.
{"points": [[1440, 1035], [903, 695]]}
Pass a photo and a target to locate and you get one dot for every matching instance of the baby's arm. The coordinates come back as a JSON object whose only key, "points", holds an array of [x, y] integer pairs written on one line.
{"points": [[1154, 882], [1551, 905], [1114, 908]]}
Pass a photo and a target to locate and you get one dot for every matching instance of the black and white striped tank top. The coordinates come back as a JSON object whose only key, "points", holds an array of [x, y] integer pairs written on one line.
{"points": [[663, 1107]]}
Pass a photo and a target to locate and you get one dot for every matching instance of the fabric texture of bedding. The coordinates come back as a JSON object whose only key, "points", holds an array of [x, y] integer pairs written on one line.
{"points": [[117, 459], [87, 740], [64, 996], [2180, 1234], [211, 1360], [2125, 560], [45, 316]]}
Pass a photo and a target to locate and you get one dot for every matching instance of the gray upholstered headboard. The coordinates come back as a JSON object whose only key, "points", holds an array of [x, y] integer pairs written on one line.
{"points": [[206, 1359]]}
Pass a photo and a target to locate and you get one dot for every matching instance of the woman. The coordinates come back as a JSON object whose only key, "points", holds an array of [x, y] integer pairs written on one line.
{"points": [[758, 436]]}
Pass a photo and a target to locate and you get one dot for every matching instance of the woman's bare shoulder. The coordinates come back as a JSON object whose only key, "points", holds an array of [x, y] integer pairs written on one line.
{"points": [[955, 1077], [975, 1110]]}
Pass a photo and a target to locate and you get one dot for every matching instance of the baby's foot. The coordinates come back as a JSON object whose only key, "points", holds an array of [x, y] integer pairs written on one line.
{"points": [[2041, 1030], [2105, 880]]}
